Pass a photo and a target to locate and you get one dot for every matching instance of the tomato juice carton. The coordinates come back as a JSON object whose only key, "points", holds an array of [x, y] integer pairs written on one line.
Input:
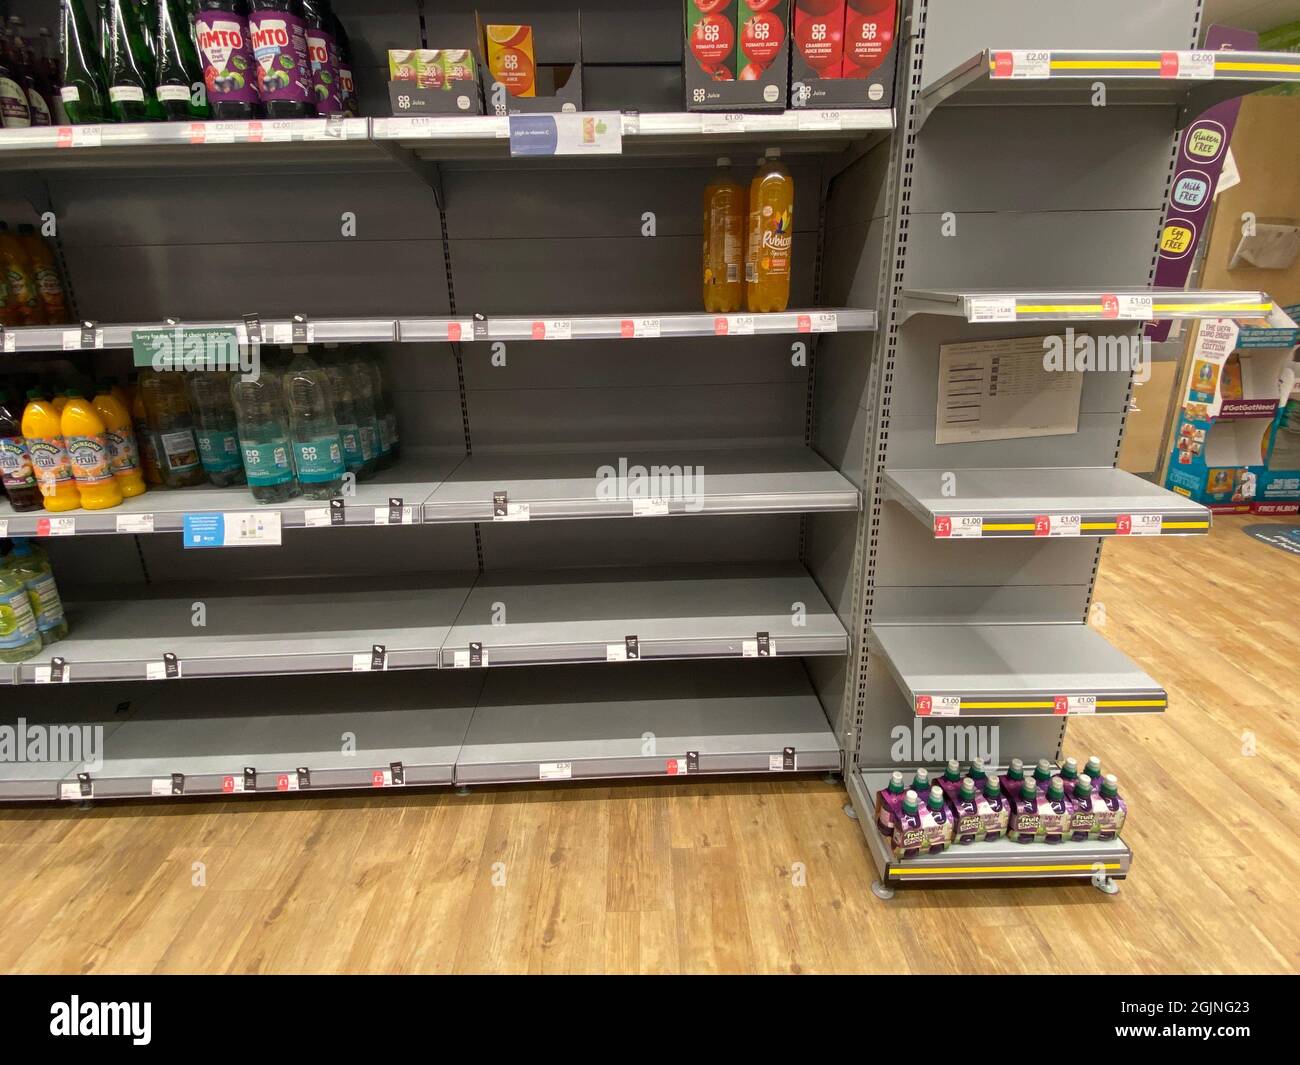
{"points": [[844, 53], [736, 55]]}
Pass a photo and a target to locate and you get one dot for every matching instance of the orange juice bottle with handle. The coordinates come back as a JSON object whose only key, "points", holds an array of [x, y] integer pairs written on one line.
{"points": [[771, 236], [724, 242], [49, 455], [123, 454], [87, 441]]}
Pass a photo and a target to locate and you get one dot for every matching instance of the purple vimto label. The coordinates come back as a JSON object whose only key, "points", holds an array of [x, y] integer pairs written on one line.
{"points": [[279, 42], [229, 71]]}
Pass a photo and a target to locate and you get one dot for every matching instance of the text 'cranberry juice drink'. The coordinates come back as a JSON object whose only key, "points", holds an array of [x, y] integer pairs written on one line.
{"points": [[229, 69]]}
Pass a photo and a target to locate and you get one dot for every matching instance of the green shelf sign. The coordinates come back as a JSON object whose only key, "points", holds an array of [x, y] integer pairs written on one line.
{"points": [[186, 348]]}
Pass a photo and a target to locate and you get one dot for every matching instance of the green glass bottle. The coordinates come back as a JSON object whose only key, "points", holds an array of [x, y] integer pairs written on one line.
{"points": [[129, 66], [180, 89], [84, 92]]}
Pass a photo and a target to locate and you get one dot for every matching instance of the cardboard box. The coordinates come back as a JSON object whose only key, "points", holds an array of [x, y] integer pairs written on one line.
{"points": [[510, 58], [736, 54], [844, 53]]}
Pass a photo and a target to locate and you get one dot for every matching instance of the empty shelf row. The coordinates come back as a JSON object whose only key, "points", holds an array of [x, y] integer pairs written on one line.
{"points": [[433, 620], [314, 733]]}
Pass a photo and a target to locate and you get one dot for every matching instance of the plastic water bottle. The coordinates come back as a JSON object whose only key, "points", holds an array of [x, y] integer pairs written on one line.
{"points": [[264, 437], [314, 432], [363, 389], [390, 444], [215, 426], [342, 383]]}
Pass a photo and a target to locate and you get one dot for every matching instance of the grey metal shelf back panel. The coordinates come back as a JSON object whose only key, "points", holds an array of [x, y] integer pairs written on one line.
{"points": [[999, 670], [585, 722], [1106, 501], [585, 615]]}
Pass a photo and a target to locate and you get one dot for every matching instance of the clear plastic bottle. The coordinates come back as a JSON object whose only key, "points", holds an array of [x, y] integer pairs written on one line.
{"points": [[124, 455], [366, 402], [264, 437], [215, 426], [16, 471], [32, 567], [390, 444], [19, 637], [724, 242], [86, 438], [771, 236], [146, 438], [49, 454], [168, 416], [356, 457], [313, 430]]}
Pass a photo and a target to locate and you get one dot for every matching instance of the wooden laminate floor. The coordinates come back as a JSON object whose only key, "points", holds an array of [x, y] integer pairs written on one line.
{"points": [[724, 876]]}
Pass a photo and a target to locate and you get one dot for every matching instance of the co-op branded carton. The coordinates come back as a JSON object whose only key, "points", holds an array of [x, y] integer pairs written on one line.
{"points": [[844, 53], [736, 54]]}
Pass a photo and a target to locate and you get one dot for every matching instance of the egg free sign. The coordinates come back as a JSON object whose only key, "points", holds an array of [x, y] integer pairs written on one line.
{"points": [[179, 348]]}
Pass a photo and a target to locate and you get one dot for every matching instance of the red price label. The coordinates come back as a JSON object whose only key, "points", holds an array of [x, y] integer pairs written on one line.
{"points": [[924, 704], [453, 331], [1004, 64], [282, 782], [228, 784], [377, 778], [1042, 525], [627, 328], [720, 327], [197, 133], [1060, 704], [942, 526], [1169, 64], [1109, 305], [1123, 524], [539, 330], [805, 323]]}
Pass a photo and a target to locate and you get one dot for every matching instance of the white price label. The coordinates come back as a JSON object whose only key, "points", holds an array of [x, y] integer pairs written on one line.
{"points": [[408, 515], [616, 652], [775, 763], [991, 309], [11, 340], [1135, 307], [4, 528], [227, 132], [1058, 525], [158, 670], [1139, 524], [460, 659], [553, 329], [42, 674], [71, 791], [1195, 65], [72, 339], [824, 322], [279, 332], [135, 523], [56, 526], [722, 123], [317, 517], [649, 508], [279, 130], [959, 527], [514, 512], [160, 786], [749, 648], [819, 120], [554, 770], [938, 705], [1022, 64], [366, 662], [740, 325], [641, 327], [1081, 704]]}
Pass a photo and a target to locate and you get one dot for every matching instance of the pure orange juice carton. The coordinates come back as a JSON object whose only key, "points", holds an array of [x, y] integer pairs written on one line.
{"points": [[510, 58]]}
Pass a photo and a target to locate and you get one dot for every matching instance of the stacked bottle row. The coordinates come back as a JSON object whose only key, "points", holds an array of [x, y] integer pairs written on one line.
{"points": [[31, 612], [29, 78], [198, 59], [31, 290], [1048, 807], [756, 227], [294, 429]]}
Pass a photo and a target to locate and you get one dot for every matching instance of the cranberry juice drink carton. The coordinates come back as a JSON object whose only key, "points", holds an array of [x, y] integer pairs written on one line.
{"points": [[818, 39], [869, 39]]}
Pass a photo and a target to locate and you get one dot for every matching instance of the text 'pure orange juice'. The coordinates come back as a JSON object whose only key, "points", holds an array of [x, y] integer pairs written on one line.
{"points": [[771, 236], [87, 443], [724, 242], [123, 454], [50, 462], [510, 58]]}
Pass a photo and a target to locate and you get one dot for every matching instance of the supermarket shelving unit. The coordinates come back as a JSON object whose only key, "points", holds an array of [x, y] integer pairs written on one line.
{"points": [[796, 506], [1019, 207]]}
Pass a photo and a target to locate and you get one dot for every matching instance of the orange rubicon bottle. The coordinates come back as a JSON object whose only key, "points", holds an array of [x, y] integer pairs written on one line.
{"points": [[87, 442], [44, 435], [724, 242], [123, 454], [771, 236]]}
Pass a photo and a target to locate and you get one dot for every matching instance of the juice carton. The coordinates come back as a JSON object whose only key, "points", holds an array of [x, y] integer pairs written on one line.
{"points": [[1084, 804], [868, 37], [1110, 818], [711, 36], [818, 38], [1012, 779], [457, 65], [420, 65], [1026, 822], [762, 33], [967, 825], [1054, 812], [994, 810], [889, 802], [951, 781], [510, 58]]}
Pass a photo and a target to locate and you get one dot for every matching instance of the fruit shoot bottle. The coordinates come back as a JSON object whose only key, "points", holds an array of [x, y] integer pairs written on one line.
{"points": [[1083, 814], [724, 242], [1070, 772], [1112, 810], [771, 212], [936, 822], [44, 435], [86, 439], [1093, 768], [264, 438], [1013, 779], [226, 57], [279, 40], [33, 569], [215, 427], [908, 836], [1026, 825], [921, 782], [15, 463], [1043, 774], [123, 454], [888, 803], [19, 637], [317, 454], [995, 810], [978, 773], [1055, 812], [967, 825]]}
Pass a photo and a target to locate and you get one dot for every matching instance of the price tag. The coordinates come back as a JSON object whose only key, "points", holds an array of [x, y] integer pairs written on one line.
{"points": [[1135, 307], [461, 330], [1058, 525], [286, 782], [640, 327], [10, 339], [70, 791], [226, 132], [723, 123], [553, 329], [740, 325], [820, 322], [1186, 65], [1021, 64], [4, 528], [160, 786], [56, 526], [392, 777], [57, 672], [631, 123], [648, 508], [80, 136], [819, 120], [615, 652], [376, 661], [472, 658], [504, 510], [72, 340], [677, 767], [1138, 524], [554, 770], [232, 785], [168, 669], [991, 309], [785, 762], [961, 527], [253, 328], [763, 646], [278, 130], [135, 523], [938, 705], [396, 513], [316, 517]]}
